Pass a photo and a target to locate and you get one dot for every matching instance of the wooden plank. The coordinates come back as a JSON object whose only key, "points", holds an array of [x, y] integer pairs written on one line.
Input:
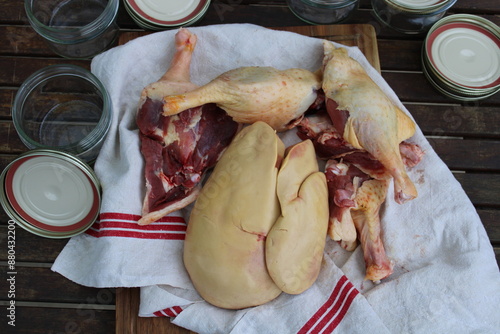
{"points": [[5, 159], [127, 321], [30, 247], [414, 87], [457, 120], [482, 189], [11, 143], [22, 41], [47, 320], [17, 69], [491, 222], [6, 100], [41, 284], [481, 154], [361, 35], [404, 55]]}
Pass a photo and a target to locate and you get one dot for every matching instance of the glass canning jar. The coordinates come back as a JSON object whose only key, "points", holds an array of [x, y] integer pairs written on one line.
{"points": [[322, 11], [406, 17], [63, 108], [75, 28]]}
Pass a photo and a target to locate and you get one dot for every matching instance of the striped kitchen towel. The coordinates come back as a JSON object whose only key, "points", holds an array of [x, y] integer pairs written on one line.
{"points": [[445, 278]]}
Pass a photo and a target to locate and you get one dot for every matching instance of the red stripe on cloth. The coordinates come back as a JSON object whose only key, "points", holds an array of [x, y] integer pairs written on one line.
{"points": [[337, 319], [113, 224], [169, 312], [136, 235], [151, 227], [127, 216], [331, 313]]}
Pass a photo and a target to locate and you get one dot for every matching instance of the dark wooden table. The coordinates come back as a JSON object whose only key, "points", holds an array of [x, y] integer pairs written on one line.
{"points": [[465, 134]]}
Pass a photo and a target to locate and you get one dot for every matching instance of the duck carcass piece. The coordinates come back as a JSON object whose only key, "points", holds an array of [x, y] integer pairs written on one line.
{"points": [[343, 181], [179, 149], [357, 187], [330, 144], [355, 201], [365, 117], [251, 94], [190, 143]]}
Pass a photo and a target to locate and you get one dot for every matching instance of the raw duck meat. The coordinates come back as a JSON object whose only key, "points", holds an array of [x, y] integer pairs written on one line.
{"points": [[178, 149], [329, 144], [365, 117], [357, 187], [343, 181], [355, 201], [251, 94]]}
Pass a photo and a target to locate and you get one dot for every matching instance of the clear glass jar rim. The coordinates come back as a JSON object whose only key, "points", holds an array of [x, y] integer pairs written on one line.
{"points": [[74, 35], [52, 71], [432, 10], [329, 4]]}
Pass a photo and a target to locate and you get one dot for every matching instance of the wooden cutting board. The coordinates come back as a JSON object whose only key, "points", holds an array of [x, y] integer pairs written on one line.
{"points": [[127, 299]]}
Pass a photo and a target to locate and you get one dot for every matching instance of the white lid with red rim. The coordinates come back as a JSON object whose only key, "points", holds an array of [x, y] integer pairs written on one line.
{"points": [[168, 13], [51, 193], [466, 54]]}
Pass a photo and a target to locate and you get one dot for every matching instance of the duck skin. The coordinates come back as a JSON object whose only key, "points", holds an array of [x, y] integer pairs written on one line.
{"points": [[251, 94], [365, 117]]}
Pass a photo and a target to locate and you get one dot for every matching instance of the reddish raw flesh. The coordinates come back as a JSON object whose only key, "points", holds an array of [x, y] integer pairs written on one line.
{"points": [[357, 187], [178, 149], [329, 144], [174, 171]]}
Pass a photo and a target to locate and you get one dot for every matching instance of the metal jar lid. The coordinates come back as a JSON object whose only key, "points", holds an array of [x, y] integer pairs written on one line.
{"points": [[159, 14], [461, 55], [50, 193], [421, 7]]}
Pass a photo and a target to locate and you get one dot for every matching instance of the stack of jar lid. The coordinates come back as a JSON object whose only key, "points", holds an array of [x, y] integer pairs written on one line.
{"points": [[161, 15], [461, 57], [51, 194]]}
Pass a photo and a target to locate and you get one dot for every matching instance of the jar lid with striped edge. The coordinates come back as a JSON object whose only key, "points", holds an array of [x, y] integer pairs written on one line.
{"points": [[50, 193], [159, 14], [462, 54]]}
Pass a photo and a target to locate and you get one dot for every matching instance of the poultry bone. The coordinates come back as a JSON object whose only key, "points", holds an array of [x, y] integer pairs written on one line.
{"points": [[365, 117], [251, 94], [355, 202], [357, 186], [178, 149]]}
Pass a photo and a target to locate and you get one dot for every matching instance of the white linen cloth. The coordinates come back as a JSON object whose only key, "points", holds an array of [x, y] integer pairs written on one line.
{"points": [[446, 279]]}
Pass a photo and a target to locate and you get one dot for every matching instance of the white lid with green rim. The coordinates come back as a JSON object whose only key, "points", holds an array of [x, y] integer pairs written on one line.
{"points": [[51, 193]]}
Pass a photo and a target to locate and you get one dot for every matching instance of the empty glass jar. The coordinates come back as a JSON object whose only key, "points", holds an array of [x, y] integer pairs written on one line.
{"points": [[322, 11], [64, 108], [74, 28]]}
